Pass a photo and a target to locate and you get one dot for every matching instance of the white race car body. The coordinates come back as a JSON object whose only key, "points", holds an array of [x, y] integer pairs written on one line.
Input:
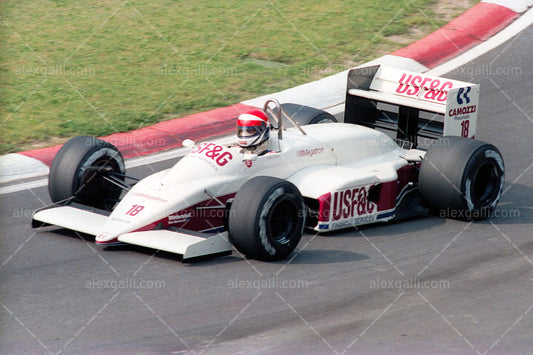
{"points": [[353, 174], [347, 173], [335, 164]]}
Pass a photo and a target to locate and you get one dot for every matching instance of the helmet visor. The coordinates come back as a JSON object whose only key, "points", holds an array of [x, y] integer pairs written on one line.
{"points": [[245, 132]]}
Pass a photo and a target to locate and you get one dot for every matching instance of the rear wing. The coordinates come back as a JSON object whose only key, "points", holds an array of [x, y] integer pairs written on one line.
{"points": [[412, 104]]}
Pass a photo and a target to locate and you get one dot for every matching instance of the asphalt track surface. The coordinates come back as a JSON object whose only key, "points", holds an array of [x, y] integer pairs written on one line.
{"points": [[428, 285]]}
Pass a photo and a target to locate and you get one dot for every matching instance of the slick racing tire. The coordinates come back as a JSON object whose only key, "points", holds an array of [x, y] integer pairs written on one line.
{"points": [[462, 178], [266, 218], [77, 170], [305, 115]]}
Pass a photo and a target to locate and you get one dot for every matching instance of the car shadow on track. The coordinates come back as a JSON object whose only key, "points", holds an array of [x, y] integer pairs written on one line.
{"points": [[223, 258], [298, 257], [321, 256], [403, 226]]}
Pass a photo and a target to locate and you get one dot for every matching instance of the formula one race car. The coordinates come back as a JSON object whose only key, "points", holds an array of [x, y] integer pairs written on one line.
{"points": [[323, 176]]}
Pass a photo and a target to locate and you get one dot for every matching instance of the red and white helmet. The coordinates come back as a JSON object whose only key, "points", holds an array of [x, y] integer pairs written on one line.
{"points": [[253, 128]]}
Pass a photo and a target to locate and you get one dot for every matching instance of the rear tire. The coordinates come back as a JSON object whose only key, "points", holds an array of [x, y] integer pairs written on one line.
{"points": [[305, 115], [266, 218], [462, 178], [69, 176]]}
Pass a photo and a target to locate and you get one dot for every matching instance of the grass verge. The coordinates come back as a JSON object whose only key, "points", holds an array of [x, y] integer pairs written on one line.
{"points": [[96, 68]]}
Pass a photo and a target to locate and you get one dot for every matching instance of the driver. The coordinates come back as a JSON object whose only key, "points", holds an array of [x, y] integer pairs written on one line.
{"points": [[253, 131]]}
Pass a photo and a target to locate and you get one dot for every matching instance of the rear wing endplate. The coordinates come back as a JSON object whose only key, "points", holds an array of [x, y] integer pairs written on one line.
{"points": [[412, 104]]}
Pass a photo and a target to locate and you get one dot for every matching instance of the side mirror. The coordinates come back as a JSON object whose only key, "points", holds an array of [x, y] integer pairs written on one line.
{"points": [[188, 143], [250, 157]]}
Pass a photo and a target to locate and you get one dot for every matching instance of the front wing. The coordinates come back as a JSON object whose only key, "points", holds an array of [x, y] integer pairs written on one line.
{"points": [[77, 219], [189, 244]]}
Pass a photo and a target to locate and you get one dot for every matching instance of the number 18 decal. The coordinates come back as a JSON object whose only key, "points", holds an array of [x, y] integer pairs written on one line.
{"points": [[465, 128], [134, 210]]}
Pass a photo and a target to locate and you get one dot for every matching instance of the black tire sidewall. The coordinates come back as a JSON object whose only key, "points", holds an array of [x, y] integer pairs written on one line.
{"points": [[248, 222], [447, 176], [306, 115], [66, 170], [475, 208]]}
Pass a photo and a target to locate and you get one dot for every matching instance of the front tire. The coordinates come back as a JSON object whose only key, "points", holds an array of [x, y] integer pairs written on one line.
{"points": [[77, 170], [462, 178], [266, 218]]}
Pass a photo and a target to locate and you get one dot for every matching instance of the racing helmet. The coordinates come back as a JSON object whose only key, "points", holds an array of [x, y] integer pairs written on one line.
{"points": [[253, 128]]}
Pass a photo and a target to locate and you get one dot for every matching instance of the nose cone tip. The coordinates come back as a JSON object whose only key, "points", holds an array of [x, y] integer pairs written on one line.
{"points": [[106, 239]]}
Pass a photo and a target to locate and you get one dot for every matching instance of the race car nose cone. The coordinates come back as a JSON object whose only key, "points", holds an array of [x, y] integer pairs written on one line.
{"points": [[106, 239]]}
